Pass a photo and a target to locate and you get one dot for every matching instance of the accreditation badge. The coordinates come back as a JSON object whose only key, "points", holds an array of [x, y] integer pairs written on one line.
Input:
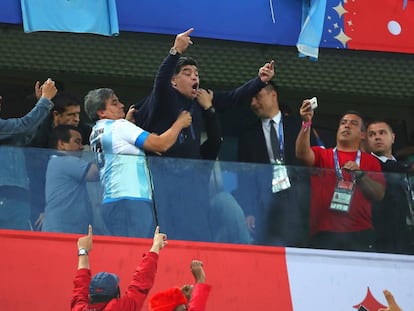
{"points": [[280, 180], [342, 196]]}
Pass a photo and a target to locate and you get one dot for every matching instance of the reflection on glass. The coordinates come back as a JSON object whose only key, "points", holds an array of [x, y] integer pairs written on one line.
{"points": [[211, 201]]}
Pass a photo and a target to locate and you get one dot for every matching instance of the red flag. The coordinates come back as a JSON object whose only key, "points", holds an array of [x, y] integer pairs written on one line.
{"points": [[379, 25]]}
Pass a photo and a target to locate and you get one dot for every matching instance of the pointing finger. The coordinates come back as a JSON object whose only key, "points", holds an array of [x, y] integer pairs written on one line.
{"points": [[188, 31]]}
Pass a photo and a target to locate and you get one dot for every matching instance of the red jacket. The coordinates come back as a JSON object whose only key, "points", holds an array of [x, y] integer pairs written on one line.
{"points": [[132, 300], [199, 297]]}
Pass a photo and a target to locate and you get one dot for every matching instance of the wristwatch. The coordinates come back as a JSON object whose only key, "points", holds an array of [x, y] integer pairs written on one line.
{"points": [[210, 109], [173, 51], [82, 252]]}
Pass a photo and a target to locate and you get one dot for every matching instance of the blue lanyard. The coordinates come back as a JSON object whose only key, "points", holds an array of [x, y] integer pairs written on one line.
{"points": [[281, 143], [338, 168], [280, 138]]}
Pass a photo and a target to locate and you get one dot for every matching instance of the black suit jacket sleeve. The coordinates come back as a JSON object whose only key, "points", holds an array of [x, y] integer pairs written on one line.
{"points": [[225, 100]]}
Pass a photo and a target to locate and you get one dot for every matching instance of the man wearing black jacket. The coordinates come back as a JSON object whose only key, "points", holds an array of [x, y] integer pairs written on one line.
{"points": [[177, 88], [275, 215], [389, 216]]}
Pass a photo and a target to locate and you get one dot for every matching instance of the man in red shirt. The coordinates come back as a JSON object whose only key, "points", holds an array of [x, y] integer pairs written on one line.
{"points": [[101, 293], [189, 297], [341, 216]]}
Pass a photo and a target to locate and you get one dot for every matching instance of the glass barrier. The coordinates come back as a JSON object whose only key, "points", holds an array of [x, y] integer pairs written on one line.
{"points": [[211, 201]]}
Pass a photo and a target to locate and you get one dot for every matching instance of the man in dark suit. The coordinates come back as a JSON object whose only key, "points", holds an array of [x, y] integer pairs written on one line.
{"points": [[274, 195], [389, 216]]}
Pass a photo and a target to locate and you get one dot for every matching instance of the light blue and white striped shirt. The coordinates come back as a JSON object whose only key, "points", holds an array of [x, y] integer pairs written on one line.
{"points": [[122, 161]]}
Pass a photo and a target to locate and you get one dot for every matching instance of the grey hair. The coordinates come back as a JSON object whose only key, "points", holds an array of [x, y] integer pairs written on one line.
{"points": [[95, 100]]}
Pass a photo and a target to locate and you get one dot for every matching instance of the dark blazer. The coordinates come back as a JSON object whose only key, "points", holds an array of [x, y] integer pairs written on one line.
{"points": [[162, 107], [389, 215], [252, 144], [281, 217]]}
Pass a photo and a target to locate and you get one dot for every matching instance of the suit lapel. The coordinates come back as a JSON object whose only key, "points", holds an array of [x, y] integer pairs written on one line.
{"points": [[262, 154]]}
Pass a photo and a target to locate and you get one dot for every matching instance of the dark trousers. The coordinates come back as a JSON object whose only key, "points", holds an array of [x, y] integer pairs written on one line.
{"points": [[133, 218]]}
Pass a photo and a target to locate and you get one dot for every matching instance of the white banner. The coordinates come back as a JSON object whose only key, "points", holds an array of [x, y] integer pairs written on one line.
{"points": [[342, 281]]}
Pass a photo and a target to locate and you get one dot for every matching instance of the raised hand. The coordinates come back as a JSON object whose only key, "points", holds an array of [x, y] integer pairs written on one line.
{"points": [[198, 271], [49, 89], [159, 241], [86, 241], [37, 90], [183, 40], [306, 112], [267, 71], [392, 305]]}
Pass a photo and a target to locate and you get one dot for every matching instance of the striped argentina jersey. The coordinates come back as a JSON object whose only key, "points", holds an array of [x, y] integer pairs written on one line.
{"points": [[123, 168]]}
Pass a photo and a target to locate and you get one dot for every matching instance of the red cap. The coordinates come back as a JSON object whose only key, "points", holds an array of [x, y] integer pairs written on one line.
{"points": [[167, 300]]}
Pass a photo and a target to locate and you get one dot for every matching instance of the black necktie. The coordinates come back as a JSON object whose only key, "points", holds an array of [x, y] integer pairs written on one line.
{"points": [[274, 141]]}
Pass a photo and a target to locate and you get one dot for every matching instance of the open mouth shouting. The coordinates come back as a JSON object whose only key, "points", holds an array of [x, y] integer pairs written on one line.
{"points": [[195, 89]]}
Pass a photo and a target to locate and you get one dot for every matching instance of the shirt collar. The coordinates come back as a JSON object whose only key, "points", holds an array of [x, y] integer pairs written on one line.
{"points": [[276, 118], [384, 159]]}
